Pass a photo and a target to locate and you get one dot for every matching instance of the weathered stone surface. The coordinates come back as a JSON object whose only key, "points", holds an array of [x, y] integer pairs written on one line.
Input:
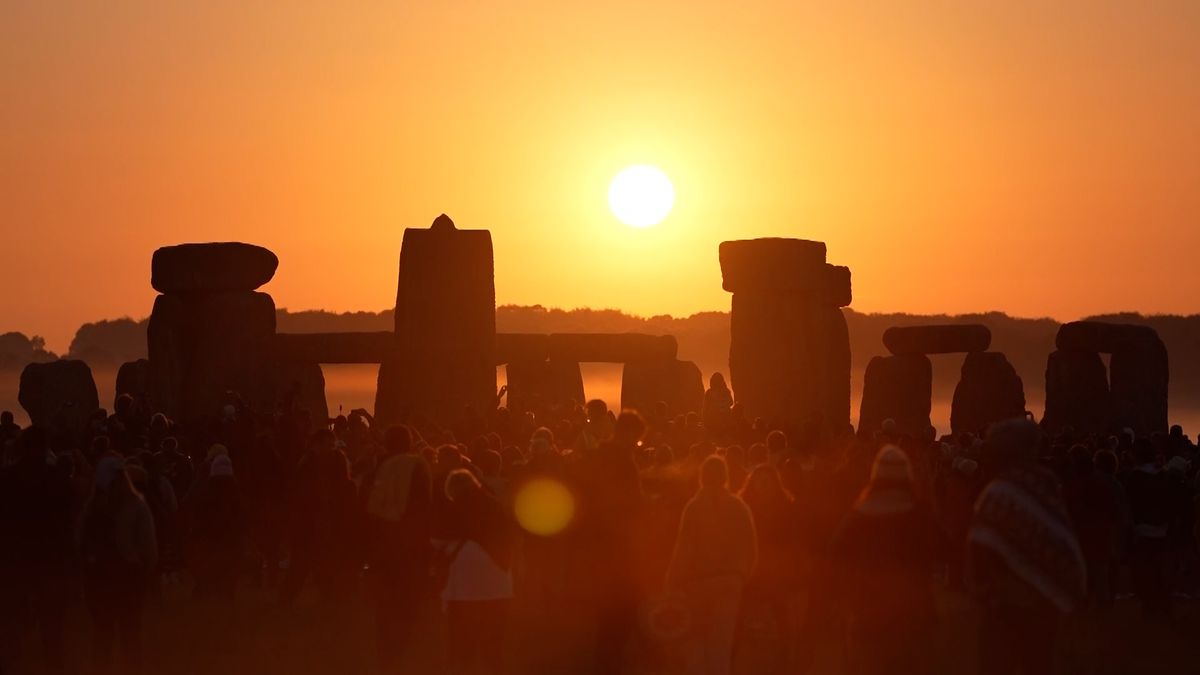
{"points": [[301, 384], [677, 383], [133, 378], [1097, 336], [445, 327], [988, 391], [59, 395], [611, 347], [940, 339], [789, 357], [226, 266], [333, 347], [512, 347], [898, 388], [535, 385], [204, 344], [1139, 377], [1077, 393], [772, 264], [838, 288]]}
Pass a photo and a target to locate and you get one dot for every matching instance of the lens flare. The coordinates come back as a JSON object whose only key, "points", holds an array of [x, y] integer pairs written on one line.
{"points": [[544, 507]]}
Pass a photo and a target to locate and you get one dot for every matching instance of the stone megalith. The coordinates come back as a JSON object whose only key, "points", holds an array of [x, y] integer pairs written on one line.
{"points": [[206, 268], [59, 395], [679, 384], [209, 334], [1077, 393], [789, 355], [1139, 375], [535, 384], [1132, 393], [133, 378], [899, 388], [937, 339], [988, 391], [301, 384], [445, 356]]}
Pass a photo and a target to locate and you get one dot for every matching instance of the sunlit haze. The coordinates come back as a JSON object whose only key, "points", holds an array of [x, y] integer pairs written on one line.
{"points": [[917, 144]]}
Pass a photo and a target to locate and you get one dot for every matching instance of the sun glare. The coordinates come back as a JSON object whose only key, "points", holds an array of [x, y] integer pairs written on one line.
{"points": [[641, 195]]}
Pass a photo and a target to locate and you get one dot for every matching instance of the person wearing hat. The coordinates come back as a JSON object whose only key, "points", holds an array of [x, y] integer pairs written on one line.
{"points": [[119, 551], [882, 560]]}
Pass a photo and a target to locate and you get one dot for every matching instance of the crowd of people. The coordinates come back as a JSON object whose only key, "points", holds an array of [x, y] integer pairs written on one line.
{"points": [[686, 539]]}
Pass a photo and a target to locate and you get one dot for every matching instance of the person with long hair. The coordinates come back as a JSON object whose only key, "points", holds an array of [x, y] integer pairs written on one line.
{"points": [[883, 557], [119, 552]]}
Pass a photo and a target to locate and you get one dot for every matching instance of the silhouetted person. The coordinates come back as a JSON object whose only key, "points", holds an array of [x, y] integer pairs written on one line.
{"points": [[479, 580], [605, 539], [35, 548], [1097, 511], [217, 529], [717, 403], [119, 552], [775, 581], [715, 554], [321, 511], [397, 503], [1024, 561], [1155, 503], [883, 558], [9, 430]]}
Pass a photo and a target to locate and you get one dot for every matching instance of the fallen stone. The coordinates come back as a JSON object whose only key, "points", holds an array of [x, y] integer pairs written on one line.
{"points": [[939, 339], [59, 395], [989, 390], [215, 267]]}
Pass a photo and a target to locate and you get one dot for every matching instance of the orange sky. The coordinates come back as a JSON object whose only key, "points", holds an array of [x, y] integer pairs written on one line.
{"points": [[1037, 158]]}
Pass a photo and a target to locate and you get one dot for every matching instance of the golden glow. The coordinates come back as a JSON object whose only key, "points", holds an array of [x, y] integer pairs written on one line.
{"points": [[1060, 137], [544, 507], [641, 195]]}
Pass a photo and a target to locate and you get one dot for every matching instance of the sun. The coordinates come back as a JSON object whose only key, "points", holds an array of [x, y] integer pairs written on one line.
{"points": [[641, 195]]}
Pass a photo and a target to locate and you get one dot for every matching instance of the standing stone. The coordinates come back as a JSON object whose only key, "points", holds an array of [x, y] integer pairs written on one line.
{"points": [[59, 395], [202, 345], [1139, 376], [302, 384], [133, 378], [445, 358], [988, 391], [899, 388], [1077, 393], [533, 385], [789, 355], [679, 384]]}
